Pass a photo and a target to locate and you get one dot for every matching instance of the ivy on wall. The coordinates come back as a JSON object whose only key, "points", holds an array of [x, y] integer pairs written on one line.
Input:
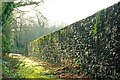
{"points": [[96, 25], [93, 43]]}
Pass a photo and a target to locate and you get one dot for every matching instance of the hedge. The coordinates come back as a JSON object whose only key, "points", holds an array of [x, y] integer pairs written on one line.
{"points": [[93, 42]]}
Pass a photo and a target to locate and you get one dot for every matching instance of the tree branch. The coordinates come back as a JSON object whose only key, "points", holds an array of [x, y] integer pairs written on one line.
{"points": [[19, 4]]}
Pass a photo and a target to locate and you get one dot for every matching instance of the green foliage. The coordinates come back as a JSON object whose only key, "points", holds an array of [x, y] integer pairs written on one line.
{"points": [[78, 62], [21, 67], [97, 54], [95, 29], [14, 41], [96, 25], [8, 67], [7, 8]]}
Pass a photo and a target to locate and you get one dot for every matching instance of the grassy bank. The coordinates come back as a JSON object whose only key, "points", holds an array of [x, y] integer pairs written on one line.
{"points": [[18, 66]]}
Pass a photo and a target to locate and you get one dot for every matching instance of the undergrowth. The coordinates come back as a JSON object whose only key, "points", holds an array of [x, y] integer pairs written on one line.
{"points": [[23, 68], [8, 67]]}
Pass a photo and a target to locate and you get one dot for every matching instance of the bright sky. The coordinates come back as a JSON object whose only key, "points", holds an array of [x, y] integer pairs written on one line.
{"points": [[70, 11]]}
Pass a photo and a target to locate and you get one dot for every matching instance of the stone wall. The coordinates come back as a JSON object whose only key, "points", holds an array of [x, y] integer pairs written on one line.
{"points": [[94, 43]]}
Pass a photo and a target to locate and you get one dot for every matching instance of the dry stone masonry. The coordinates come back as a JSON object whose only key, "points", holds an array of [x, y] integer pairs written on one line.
{"points": [[93, 43]]}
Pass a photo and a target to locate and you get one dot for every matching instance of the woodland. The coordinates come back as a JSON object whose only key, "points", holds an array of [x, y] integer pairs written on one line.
{"points": [[17, 31]]}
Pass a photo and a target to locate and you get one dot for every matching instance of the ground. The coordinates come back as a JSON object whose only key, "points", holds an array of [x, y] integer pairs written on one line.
{"points": [[29, 67]]}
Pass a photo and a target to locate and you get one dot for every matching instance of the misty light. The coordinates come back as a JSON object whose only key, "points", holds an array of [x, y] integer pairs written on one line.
{"points": [[68, 11]]}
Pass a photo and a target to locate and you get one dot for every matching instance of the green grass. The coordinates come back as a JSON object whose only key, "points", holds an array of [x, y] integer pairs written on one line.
{"points": [[21, 67]]}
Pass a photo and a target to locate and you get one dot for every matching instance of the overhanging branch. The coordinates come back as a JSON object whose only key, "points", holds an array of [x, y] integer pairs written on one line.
{"points": [[19, 4]]}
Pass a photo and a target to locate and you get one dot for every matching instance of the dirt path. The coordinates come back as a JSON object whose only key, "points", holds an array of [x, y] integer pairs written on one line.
{"points": [[34, 68], [29, 68]]}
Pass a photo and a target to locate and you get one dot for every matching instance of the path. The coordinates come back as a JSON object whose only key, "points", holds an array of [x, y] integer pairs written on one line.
{"points": [[33, 68]]}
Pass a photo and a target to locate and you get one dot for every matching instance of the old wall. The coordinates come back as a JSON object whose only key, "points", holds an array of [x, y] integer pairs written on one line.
{"points": [[94, 43]]}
